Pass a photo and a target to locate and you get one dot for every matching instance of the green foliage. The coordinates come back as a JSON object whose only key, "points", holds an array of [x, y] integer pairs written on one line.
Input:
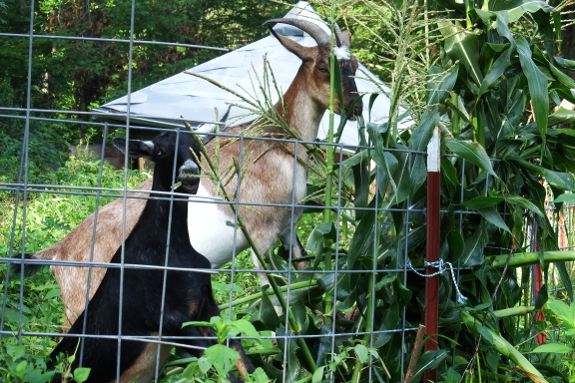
{"points": [[219, 360]]}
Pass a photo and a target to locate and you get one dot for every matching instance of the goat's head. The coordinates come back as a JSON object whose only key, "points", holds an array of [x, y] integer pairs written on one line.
{"points": [[315, 63], [162, 150]]}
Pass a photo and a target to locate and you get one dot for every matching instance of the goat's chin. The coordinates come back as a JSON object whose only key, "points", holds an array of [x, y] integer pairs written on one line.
{"points": [[189, 189]]}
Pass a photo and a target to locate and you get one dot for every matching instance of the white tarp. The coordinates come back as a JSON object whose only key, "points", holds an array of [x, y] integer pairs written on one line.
{"points": [[183, 95]]}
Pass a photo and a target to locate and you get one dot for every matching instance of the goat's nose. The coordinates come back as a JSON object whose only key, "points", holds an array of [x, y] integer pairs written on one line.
{"points": [[189, 167]]}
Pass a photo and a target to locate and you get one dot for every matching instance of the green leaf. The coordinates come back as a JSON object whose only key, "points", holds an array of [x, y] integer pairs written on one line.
{"points": [[566, 279], [569, 198], [424, 131], [531, 6], [81, 374], [222, 358], [561, 180], [485, 334], [53, 293], [524, 203], [440, 83], [496, 71], [562, 116], [13, 316], [428, 361], [564, 181], [16, 352], [473, 251], [564, 312], [552, 347], [418, 173], [537, 82], [493, 216], [462, 45], [448, 171], [473, 152], [402, 177], [565, 63], [260, 376], [245, 327], [361, 352], [318, 375], [204, 364]]}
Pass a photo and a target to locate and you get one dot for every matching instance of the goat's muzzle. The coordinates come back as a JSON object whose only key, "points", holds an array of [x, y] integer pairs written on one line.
{"points": [[356, 110], [189, 176]]}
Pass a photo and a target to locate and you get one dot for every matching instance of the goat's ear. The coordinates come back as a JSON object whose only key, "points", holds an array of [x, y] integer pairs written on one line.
{"points": [[299, 50], [136, 148]]}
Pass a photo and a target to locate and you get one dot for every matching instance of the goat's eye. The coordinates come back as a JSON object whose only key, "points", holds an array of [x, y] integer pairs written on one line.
{"points": [[322, 70], [160, 152]]}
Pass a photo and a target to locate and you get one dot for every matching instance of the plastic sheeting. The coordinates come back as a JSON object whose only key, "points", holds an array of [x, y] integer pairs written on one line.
{"points": [[195, 100]]}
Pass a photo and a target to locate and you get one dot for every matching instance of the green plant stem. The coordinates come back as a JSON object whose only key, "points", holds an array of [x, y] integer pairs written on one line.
{"points": [[455, 128], [356, 371], [513, 311], [368, 329], [327, 214], [252, 297], [526, 259], [478, 126], [468, 8], [505, 348]]}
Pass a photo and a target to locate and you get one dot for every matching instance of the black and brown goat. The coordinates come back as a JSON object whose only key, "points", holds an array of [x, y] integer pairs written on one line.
{"points": [[272, 177], [159, 238]]}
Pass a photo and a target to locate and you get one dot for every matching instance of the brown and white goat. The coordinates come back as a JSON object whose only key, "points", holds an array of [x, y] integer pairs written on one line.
{"points": [[270, 169]]}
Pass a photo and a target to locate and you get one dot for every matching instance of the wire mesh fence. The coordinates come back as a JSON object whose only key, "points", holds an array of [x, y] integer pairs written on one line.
{"points": [[346, 309]]}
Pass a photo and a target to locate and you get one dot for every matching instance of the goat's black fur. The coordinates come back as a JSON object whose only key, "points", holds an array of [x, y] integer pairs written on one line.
{"points": [[188, 295]]}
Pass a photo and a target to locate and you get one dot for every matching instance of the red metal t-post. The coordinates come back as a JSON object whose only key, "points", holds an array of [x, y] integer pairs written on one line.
{"points": [[432, 283]]}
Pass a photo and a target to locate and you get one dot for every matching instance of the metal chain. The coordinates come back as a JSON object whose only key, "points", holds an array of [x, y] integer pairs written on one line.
{"points": [[440, 266]]}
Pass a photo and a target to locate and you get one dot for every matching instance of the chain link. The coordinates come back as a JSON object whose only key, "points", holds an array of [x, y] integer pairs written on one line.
{"points": [[441, 268]]}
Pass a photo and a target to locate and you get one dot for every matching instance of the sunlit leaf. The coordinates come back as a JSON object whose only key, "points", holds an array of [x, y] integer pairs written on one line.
{"points": [[463, 46], [561, 116], [516, 9], [81, 374], [569, 198], [552, 347], [524, 203], [563, 312], [473, 152]]}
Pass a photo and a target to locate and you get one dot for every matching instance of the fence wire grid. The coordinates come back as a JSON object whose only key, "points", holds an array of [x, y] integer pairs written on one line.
{"points": [[330, 312]]}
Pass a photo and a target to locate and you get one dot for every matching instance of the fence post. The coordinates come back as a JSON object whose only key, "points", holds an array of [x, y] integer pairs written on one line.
{"points": [[432, 248]]}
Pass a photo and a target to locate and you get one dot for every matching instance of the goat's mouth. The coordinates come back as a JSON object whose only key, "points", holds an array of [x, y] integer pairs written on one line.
{"points": [[354, 109], [189, 185]]}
